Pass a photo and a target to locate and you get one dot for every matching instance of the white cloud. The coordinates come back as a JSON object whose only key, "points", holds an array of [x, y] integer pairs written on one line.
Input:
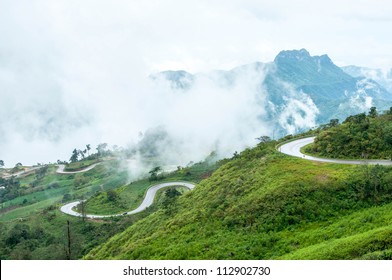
{"points": [[299, 112], [74, 72]]}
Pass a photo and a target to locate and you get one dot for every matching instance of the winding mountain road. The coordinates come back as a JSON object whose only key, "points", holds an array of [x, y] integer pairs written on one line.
{"points": [[148, 201], [26, 171], [60, 169], [294, 149]]}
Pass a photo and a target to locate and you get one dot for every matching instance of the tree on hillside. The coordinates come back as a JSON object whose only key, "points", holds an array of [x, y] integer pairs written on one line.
{"points": [[1, 163], [388, 137], [41, 172], [74, 157], [88, 148], [82, 208], [172, 192], [154, 173], [112, 196], [373, 112], [17, 167], [333, 122], [101, 148], [81, 153], [264, 139], [168, 203]]}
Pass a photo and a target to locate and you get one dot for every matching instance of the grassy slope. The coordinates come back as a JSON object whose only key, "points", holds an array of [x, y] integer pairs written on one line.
{"points": [[47, 226], [262, 205], [79, 165], [104, 177], [130, 196], [36, 229]]}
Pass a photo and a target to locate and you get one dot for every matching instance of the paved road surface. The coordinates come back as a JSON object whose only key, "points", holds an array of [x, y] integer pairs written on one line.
{"points": [[294, 149], [60, 169], [28, 170], [148, 201]]}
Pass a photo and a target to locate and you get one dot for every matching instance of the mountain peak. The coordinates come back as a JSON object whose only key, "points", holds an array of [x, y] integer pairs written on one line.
{"points": [[300, 68], [301, 54]]}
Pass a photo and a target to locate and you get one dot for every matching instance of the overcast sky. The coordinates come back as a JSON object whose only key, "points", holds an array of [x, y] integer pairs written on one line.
{"points": [[65, 64]]}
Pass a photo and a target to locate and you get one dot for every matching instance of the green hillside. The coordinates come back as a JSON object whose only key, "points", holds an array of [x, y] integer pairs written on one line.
{"points": [[260, 204], [266, 205], [359, 136], [33, 227]]}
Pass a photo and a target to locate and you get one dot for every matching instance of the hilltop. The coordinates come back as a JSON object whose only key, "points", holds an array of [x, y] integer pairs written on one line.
{"points": [[362, 136]]}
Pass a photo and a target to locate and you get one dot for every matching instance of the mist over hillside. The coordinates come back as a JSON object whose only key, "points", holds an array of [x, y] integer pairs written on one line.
{"points": [[188, 115], [382, 77], [299, 90]]}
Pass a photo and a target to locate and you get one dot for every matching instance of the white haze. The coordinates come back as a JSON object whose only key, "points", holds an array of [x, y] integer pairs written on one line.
{"points": [[299, 112], [76, 72], [203, 119]]}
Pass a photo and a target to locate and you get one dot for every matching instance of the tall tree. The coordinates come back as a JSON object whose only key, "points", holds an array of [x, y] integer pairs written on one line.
{"points": [[74, 157], [81, 153], [334, 122], [373, 112], [264, 139], [1, 163], [83, 209], [154, 173], [88, 147], [101, 148]]}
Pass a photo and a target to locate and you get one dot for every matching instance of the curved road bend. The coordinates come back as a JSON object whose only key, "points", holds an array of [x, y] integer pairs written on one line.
{"points": [[148, 201], [294, 149], [20, 173], [60, 169]]}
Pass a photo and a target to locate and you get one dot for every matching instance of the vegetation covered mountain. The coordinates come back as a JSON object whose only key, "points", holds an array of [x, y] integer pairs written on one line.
{"points": [[297, 85], [265, 205], [359, 136]]}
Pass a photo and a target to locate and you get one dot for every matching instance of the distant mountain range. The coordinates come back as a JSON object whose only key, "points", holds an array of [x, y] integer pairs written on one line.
{"points": [[300, 90]]}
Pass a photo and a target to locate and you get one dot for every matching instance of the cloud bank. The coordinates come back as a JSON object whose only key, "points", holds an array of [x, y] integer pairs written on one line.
{"points": [[75, 73]]}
